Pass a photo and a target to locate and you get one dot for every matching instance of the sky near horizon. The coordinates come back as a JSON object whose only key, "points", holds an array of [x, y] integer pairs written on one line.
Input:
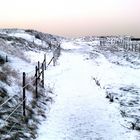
{"points": [[73, 17]]}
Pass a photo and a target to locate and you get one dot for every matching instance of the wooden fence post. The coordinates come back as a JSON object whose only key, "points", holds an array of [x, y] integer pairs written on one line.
{"points": [[36, 82], [38, 68], [43, 75], [24, 96], [45, 61], [53, 57], [53, 61], [6, 58]]}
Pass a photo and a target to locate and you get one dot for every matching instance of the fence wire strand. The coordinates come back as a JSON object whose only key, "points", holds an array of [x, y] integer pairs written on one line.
{"points": [[28, 73], [6, 101], [12, 127], [29, 82], [15, 109]]}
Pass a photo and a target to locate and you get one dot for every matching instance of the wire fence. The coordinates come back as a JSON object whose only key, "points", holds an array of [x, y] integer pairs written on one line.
{"points": [[15, 109], [132, 47], [128, 44], [34, 82]]}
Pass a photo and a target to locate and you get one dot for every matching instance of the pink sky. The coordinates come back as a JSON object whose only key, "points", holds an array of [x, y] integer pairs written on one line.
{"points": [[73, 17]]}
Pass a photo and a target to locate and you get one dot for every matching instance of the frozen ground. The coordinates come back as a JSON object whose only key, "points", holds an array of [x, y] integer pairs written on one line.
{"points": [[81, 111], [85, 74]]}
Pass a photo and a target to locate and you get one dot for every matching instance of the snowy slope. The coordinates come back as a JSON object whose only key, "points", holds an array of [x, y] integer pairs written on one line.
{"points": [[29, 39], [85, 74], [20, 49], [81, 111]]}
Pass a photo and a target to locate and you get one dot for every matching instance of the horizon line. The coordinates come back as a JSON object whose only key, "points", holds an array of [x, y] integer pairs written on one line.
{"points": [[68, 36]]}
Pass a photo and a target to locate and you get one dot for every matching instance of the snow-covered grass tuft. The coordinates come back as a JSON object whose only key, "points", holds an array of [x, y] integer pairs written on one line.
{"points": [[128, 97]]}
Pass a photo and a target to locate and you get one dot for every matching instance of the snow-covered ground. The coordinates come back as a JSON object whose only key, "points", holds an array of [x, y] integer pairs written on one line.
{"points": [[81, 111], [84, 75]]}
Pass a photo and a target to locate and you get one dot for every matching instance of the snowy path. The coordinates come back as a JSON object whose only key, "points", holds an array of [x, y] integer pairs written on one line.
{"points": [[81, 111]]}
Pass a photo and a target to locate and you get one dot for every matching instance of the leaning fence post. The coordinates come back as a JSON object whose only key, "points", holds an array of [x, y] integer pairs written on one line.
{"points": [[45, 61], [6, 58], [53, 61], [43, 75], [24, 96], [53, 57], [36, 82], [38, 68]]}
